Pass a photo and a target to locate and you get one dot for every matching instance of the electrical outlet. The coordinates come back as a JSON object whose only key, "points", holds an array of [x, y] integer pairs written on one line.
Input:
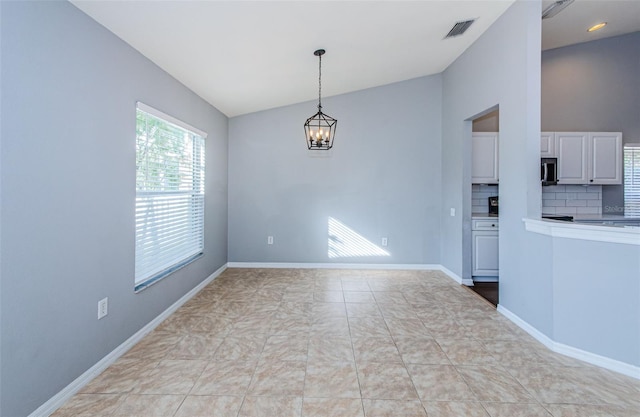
{"points": [[269, 240], [452, 212], [384, 241], [103, 307]]}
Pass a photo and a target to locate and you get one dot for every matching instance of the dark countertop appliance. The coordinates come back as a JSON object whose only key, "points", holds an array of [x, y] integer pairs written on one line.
{"points": [[558, 217], [493, 205], [549, 171]]}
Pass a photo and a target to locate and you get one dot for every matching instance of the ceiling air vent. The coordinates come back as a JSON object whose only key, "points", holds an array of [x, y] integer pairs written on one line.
{"points": [[459, 28]]}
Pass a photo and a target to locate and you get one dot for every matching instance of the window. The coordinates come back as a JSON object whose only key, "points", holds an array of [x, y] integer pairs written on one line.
{"points": [[632, 180], [169, 195]]}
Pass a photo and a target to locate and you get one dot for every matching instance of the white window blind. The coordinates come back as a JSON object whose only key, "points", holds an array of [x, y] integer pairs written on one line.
{"points": [[632, 180], [169, 195]]}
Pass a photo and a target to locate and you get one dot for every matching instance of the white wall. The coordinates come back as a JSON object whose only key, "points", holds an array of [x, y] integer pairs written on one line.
{"points": [[69, 92], [381, 179], [572, 199]]}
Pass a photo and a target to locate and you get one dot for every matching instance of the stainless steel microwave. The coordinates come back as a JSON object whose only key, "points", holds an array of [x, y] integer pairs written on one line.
{"points": [[549, 171]]}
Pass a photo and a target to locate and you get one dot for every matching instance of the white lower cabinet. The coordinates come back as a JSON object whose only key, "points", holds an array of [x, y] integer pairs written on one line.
{"points": [[484, 235]]}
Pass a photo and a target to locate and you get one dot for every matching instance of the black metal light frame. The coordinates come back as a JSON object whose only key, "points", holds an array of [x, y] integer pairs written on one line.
{"points": [[320, 129]]}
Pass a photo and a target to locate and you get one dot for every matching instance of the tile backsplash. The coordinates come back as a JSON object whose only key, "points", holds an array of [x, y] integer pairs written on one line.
{"points": [[572, 199], [479, 197]]}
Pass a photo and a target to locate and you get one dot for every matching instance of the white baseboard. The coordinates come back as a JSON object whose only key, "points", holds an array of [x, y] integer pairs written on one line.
{"points": [[583, 355], [535, 333], [457, 278], [412, 267], [66, 393]]}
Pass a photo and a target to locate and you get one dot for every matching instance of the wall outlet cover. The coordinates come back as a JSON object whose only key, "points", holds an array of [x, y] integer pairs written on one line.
{"points": [[103, 307]]}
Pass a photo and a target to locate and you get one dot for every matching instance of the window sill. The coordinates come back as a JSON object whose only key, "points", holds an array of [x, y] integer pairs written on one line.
{"points": [[158, 277]]}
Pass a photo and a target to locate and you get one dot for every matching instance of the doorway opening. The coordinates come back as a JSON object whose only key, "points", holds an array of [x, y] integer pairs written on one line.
{"points": [[485, 224]]}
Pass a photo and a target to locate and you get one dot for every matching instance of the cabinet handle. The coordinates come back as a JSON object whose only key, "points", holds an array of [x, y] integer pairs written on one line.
{"points": [[590, 180], [493, 225]]}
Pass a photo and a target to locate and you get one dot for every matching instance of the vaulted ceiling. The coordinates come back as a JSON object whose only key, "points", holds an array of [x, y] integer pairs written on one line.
{"points": [[247, 56]]}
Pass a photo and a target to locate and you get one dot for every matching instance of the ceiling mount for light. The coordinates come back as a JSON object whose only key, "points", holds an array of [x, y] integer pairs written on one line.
{"points": [[555, 8], [320, 129]]}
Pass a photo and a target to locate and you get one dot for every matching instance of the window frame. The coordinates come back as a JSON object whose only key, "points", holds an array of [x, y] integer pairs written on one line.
{"points": [[192, 206], [629, 180]]}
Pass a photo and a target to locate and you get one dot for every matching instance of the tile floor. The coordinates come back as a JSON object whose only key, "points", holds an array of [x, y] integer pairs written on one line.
{"points": [[282, 342]]}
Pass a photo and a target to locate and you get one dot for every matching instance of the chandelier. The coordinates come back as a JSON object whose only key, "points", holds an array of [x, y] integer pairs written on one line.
{"points": [[320, 129]]}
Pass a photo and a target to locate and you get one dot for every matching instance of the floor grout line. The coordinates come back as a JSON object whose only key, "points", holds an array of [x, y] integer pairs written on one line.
{"points": [[397, 297]]}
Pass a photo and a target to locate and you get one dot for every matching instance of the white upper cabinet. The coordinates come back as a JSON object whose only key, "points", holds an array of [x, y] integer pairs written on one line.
{"points": [[484, 159], [548, 145], [572, 149], [585, 157], [605, 158]]}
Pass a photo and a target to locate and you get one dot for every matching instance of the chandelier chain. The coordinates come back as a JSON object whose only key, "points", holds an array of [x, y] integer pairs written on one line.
{"points": [[320, 81]]}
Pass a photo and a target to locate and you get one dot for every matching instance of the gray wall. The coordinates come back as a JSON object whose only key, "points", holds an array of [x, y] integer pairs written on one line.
{"points": [[594, 86], [69, 89], [504, 71], [538, 274], [597, 297], [381, 179]]}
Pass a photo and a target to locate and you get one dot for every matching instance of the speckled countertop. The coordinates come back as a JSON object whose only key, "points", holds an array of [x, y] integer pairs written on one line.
{"points": [[603, 217], [611, 220], [484, 215]]}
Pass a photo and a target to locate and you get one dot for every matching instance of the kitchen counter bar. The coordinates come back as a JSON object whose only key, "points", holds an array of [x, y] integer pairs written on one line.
{"points": [[629, 235], [590, 289]]}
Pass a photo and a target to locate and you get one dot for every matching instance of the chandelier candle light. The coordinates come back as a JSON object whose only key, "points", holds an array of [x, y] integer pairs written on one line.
{"points": [[320, 129]]}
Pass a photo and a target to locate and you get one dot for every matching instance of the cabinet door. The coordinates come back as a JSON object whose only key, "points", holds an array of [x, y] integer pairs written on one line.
{"points": [[547, 145], [605, 158], [484, 160], [572, 149], [485, 253]]}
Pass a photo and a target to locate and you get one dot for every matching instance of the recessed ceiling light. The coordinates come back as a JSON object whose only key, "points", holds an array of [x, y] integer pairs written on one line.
{"points": [[597, 27]]}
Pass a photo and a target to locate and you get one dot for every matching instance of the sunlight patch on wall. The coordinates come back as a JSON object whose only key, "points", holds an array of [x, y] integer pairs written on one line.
{"points": [[345, 243]]}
